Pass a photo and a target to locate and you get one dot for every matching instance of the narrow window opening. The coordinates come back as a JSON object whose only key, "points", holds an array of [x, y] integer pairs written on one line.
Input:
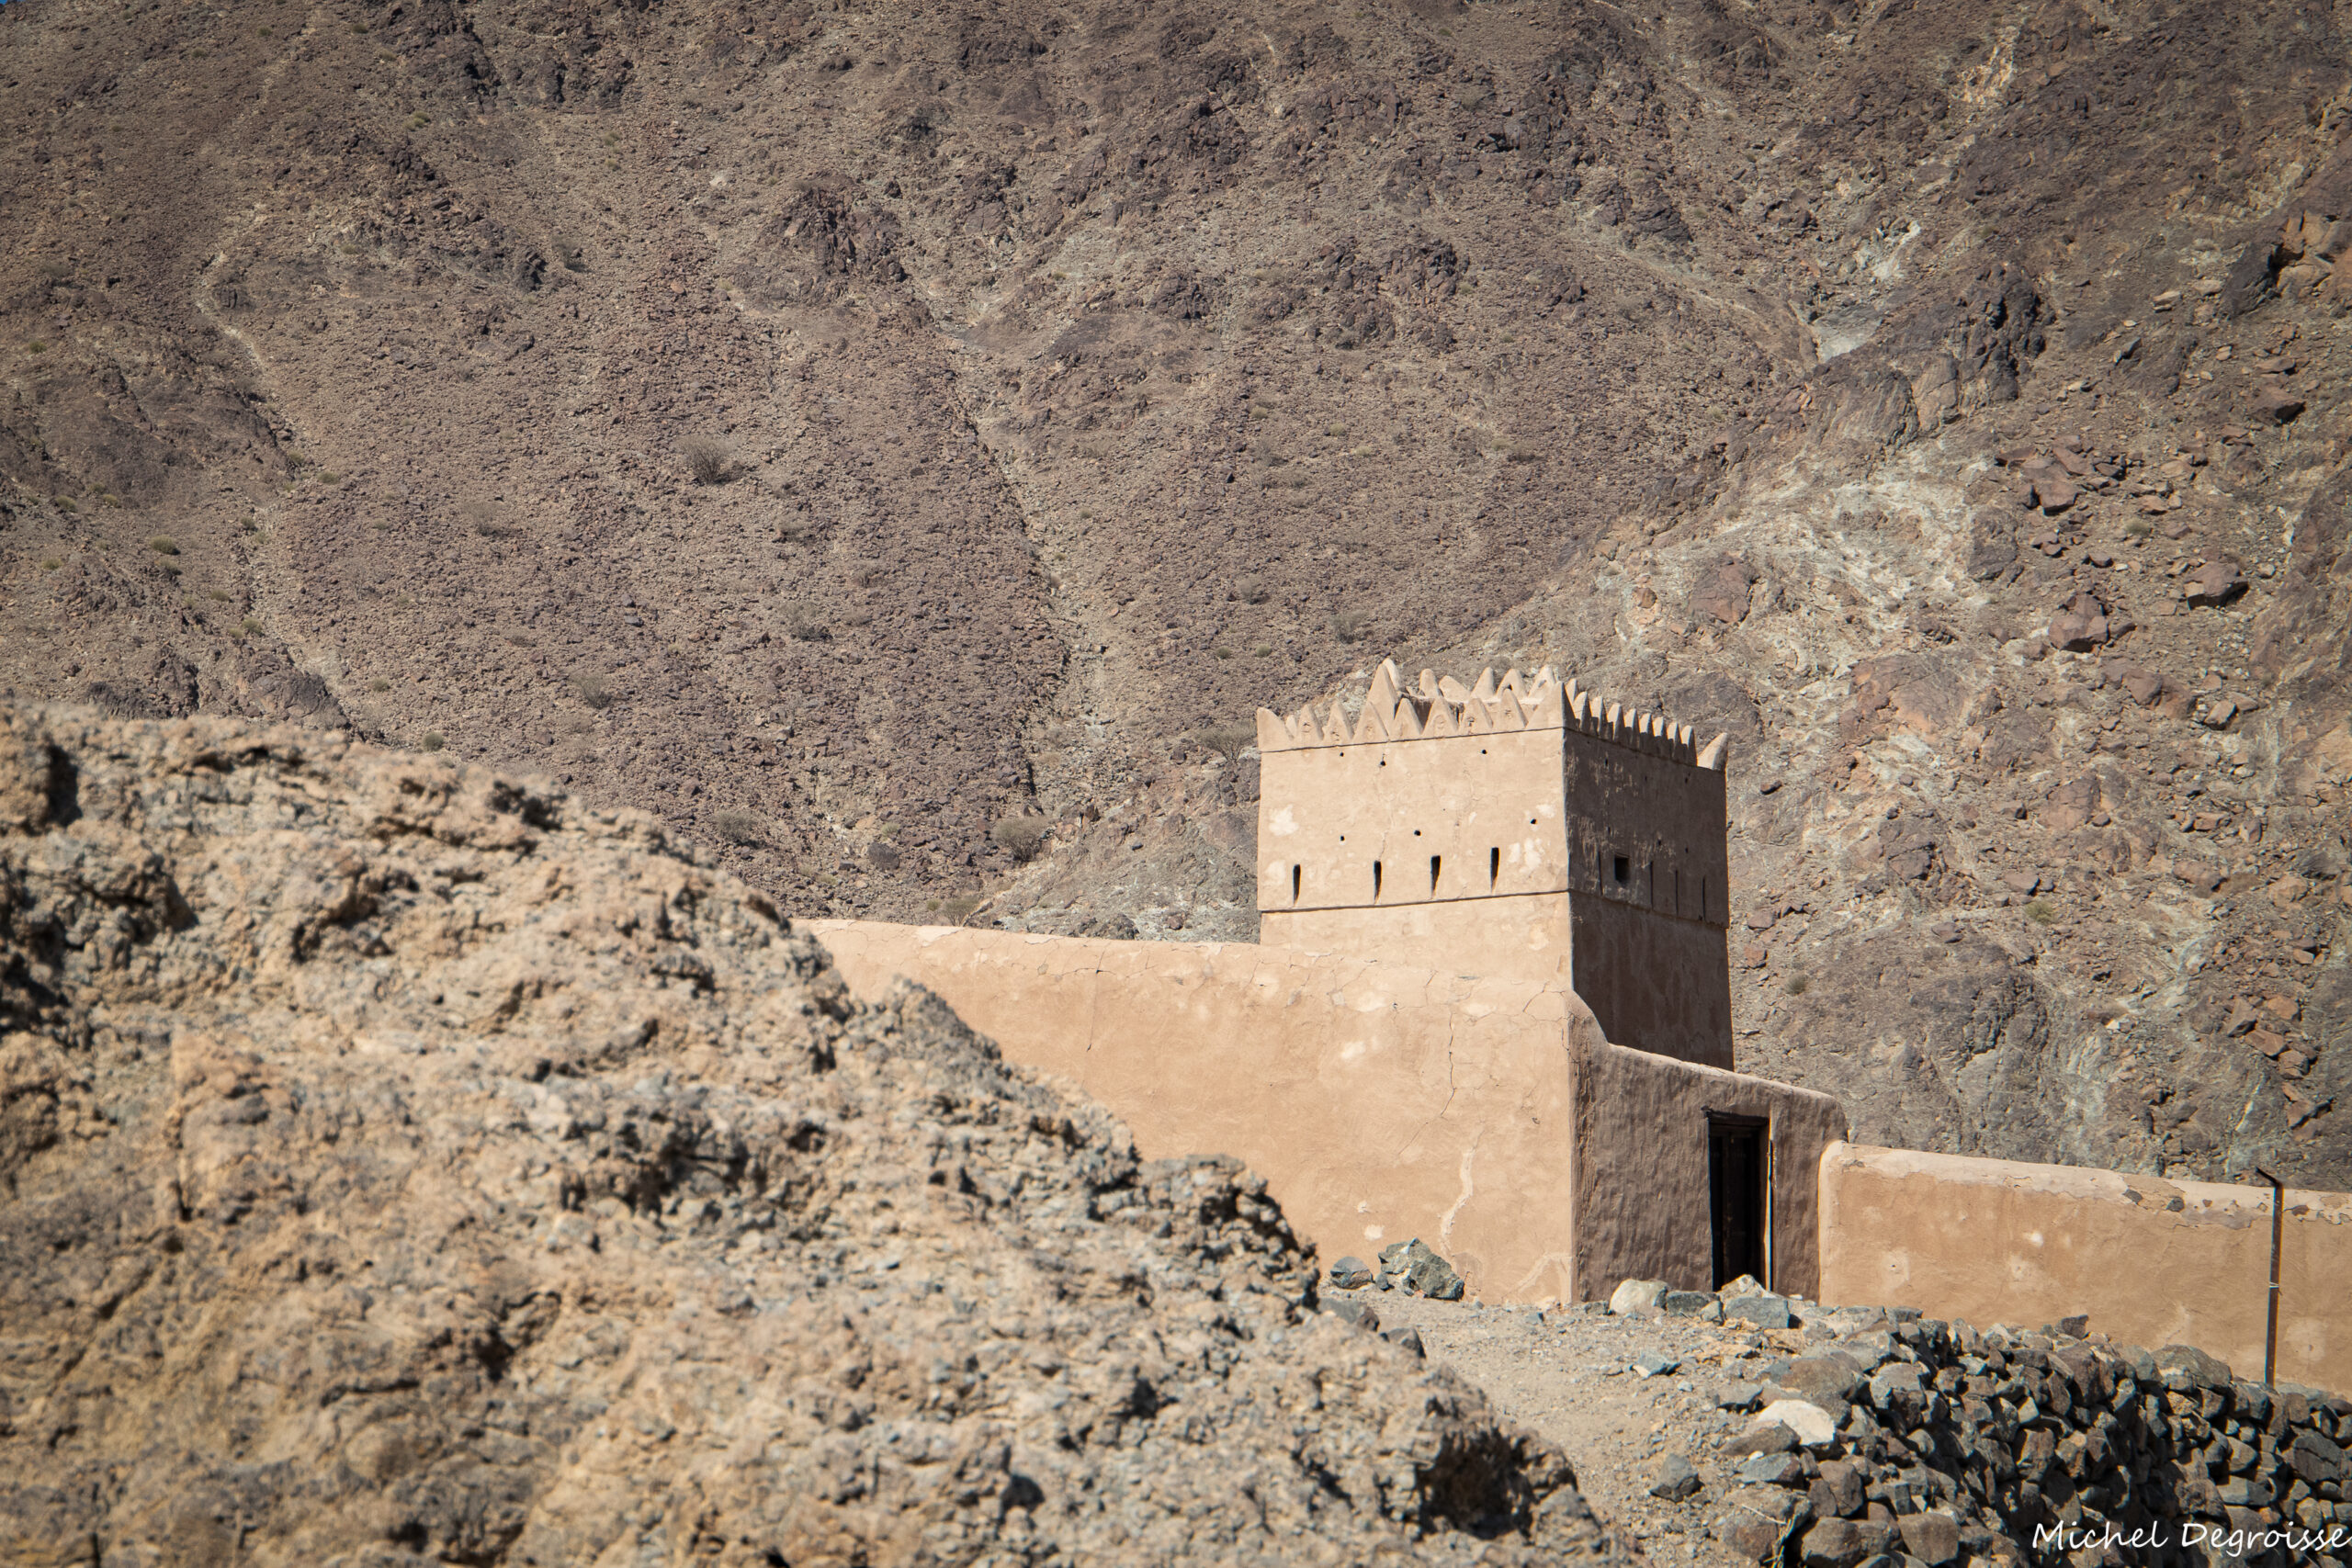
{"points": [[1494, 867], [1375, 879], [1434, 869], [1622, 870], [1293, 884], [1702, 897]]}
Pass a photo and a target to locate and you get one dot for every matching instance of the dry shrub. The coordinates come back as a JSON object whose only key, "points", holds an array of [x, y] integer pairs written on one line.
{"points": [[592, 690], [736, 827], [1020, 837], [1227, 741], [707, 461]]}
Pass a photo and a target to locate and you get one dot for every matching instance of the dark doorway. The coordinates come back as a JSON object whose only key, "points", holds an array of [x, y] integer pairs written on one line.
{"points": [[1735, 1177]]}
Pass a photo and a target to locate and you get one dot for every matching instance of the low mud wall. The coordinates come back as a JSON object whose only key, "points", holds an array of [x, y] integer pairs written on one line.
{"points": [[2149, 1262], [1643, 1202]]}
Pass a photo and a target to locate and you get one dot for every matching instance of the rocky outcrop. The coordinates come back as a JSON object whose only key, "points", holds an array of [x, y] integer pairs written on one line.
{"points": [[400, 1162]]}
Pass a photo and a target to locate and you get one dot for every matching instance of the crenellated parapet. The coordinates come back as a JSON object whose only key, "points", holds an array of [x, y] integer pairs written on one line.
{"points": [[1443, 708]]}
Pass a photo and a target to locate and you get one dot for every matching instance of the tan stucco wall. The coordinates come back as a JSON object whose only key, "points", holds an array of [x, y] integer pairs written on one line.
{"points": [[2153, 1262], [1524, 934], [1486, 805], [1641, 1178], [1379, 1101]]}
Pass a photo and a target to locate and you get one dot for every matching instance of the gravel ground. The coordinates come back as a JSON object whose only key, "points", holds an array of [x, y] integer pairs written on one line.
{"points": [[1568, 1374]]}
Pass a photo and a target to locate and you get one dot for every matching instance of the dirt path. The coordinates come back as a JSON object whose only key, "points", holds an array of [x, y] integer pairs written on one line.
{"points": [[1568, 1375]]}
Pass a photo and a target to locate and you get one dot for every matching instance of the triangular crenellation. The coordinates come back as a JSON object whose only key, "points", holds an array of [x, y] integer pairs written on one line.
{"points": [[1440, 707]]}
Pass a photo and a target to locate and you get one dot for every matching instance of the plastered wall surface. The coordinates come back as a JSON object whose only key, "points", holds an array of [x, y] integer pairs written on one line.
{"points": [[1641, 1159], [1379, 1101], [1524, 935], [2153, 1262], [1486, 807], [1655, 982]]}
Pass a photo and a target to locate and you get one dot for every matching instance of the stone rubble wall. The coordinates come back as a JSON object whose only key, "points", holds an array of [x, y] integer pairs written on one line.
{"points": [[1893, 1433]]}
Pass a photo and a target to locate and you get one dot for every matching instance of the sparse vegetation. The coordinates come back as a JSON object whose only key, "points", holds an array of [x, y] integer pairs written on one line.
{"points": [[736, 827], [380, 685], [50, 563], [486, 521], [249, 627], [1350, 626], [163, 544], [65, 503], [1797, 985], [592, 690], [707, 461], [2041, 913], [958, 910], [433, 741], [36, 347], [329, 477], [1020, 837], [1227, 741]]}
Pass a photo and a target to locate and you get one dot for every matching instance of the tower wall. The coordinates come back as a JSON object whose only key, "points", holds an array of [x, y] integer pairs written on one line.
{"points": [[1525, 830], [1649, 875], [1440, 852]]}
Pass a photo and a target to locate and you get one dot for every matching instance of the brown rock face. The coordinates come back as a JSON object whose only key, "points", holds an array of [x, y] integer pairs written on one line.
{"points": [[401, 1163]]}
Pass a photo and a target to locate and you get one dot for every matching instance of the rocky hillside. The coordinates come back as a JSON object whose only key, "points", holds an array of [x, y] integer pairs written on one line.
{"points": [[889, 443], [400, 1162]]}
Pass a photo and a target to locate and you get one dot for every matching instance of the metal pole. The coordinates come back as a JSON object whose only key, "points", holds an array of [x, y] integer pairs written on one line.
{"points": [[2277, 1234]]}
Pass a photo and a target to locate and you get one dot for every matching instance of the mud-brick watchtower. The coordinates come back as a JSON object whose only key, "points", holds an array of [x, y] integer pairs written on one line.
{"points": [[1524, 828]]}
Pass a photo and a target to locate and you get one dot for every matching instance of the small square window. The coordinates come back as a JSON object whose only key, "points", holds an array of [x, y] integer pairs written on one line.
{"points": [[1623, 868]]}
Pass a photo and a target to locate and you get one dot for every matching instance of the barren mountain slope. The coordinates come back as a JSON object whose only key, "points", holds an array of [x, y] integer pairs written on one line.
{"points": [[841, 430], [400, 1162]]}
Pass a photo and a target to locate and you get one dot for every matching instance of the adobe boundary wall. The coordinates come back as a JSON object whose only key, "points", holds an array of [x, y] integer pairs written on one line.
{"points": [[2152, 1261], [1379, 1101]]}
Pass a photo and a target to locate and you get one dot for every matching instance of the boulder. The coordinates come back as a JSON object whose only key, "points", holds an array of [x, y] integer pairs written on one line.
{"points": [[1810, 1422], [1350, 1274], [1638, 1298], [1421, 1271], [1769, 1470], [1675, 1479], [1761, 1437], [2080, 624], [1407, 1339], [2215, 582], [1737, 1393], [1933, 1537], [1765, 1312], [1837, 1492], [1834, 1543]]}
